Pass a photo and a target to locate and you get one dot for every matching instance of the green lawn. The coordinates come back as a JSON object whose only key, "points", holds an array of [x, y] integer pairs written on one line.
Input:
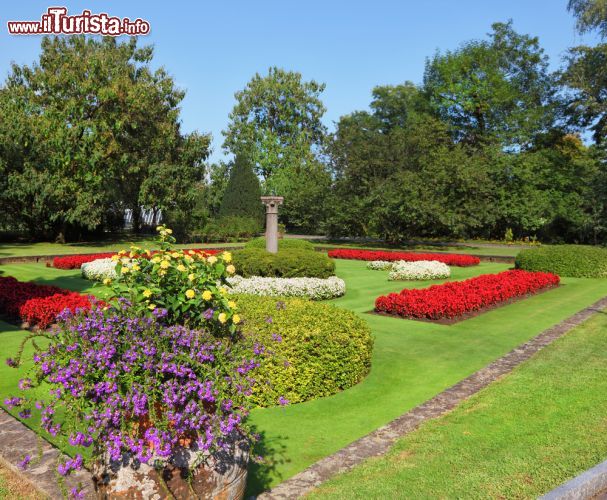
{"points": [[412, 361], [519, 438], [28, 249]]}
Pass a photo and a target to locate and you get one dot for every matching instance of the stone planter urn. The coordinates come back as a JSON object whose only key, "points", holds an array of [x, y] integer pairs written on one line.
{"points": [[221, 475]]}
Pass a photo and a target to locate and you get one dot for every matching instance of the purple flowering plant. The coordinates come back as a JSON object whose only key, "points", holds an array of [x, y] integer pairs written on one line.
{"points": [[190, 285], [135, 388]]}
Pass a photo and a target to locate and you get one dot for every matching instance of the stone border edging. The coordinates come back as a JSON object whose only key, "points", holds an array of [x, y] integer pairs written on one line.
{"points": [[587, 485], [17, 440], [381, 440]]}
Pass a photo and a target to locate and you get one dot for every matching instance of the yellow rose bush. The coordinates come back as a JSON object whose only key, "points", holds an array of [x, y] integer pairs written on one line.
{"points": [[189, 285]]}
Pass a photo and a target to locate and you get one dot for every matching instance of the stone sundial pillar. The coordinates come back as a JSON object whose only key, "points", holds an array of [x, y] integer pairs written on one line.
{"points": [[272, 203]]}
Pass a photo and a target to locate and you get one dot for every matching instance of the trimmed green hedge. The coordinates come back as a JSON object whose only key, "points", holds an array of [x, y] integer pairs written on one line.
{"points": [[283, 244], [322, 349], [577, 261], [287, 263]]}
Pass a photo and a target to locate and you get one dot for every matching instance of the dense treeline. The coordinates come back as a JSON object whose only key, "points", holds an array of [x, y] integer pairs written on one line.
{"points": [[492, 142]]}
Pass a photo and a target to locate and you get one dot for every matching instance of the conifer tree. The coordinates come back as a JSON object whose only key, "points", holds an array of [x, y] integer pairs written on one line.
{"points": [[242, 195]]}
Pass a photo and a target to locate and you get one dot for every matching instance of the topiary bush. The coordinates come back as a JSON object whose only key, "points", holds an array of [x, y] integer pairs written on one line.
{"points": [[577, 261], [283, 244], [226, 229], [318, 349], [287, 263]]}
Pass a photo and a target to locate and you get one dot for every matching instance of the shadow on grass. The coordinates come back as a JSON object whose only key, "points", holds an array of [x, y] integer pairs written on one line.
{"points": [[261, 473]]}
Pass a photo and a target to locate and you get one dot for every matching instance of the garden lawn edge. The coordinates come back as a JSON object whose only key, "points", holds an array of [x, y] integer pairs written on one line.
{"points": [[379, 441]]}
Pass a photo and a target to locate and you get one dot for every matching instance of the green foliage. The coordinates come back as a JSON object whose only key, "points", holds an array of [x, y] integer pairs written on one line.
{"points": [[277, 125], [186, 284], [82, 131], [590, 14], [242, 194], [283, 244], [228, 229], [286, 263], [324, 349], [577, 261], [493, 89]]}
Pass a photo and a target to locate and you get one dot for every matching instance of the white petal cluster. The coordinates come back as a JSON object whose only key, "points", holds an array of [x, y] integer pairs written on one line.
{"points": [[419, 270], [98, 270], [313, 288], [380, 265]]}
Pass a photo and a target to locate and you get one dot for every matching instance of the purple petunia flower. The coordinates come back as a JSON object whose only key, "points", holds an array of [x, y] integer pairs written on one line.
{"points": [[283, 401], [25, 462]]}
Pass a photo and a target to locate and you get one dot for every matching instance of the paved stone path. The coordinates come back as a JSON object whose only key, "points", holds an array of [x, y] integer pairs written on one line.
{"points": [[16, 440], [380, 441]]}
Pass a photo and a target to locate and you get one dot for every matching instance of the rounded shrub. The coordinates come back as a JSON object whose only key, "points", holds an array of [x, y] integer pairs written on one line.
{"points": [[287, 263], [283, 244], [318, 349], [577, 261]]}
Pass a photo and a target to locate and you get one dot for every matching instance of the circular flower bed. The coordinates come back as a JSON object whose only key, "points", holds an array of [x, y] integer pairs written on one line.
{"points": [[419, 270], [313, 288], [100, 269], [380, 265]]}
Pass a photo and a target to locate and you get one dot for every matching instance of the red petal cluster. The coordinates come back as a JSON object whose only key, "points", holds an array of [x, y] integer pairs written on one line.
{"points": [[75, 261], [37, 304], [455, 298], [451, 259]]}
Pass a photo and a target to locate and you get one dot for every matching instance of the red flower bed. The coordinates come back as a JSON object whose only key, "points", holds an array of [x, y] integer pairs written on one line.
{"points": [[456, 298], [451, 259], [37, 304], [75, 261], [42, 311]]}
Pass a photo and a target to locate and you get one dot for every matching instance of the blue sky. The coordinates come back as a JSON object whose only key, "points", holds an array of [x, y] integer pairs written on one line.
{"points": [[213, 48]]}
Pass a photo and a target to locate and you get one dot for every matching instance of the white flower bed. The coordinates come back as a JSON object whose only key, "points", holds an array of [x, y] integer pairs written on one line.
{"points": [[314, 288], [98, 270], [380, 265], [419, 270]]}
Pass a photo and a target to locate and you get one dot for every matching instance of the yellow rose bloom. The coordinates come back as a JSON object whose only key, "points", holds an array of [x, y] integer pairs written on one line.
{"points": [[223, 290], [231, 269], [136, 267], [107, 281], [167, 256], [122, 252], [159, 228], [188, 258], [232, 304], [124, 270], [174, 255], [169, 231], [236, 319], [191, 276], [162, 272], [131, 255], [164, 264], [151, 307], [207, 295], [181, 268], [227, 256], [191, 252], [212, 259], [222, 317], [147, 293], [115, 257], [190, 294], [156, 260]]}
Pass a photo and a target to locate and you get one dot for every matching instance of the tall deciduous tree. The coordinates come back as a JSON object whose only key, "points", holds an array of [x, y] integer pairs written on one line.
{"points": [[92, 120], [590, 14], [497, 89]]}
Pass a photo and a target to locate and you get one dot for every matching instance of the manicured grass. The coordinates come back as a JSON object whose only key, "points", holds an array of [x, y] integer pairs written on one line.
{"points": [[519, 438], [28, 249], [412, 361]]}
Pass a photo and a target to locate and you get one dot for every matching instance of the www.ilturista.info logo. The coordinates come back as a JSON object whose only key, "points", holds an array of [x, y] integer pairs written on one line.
{"points": [[57, 22]]}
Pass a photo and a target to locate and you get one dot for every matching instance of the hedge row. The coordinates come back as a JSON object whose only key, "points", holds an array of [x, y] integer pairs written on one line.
{"points": [[289, 263], [576, 261]]}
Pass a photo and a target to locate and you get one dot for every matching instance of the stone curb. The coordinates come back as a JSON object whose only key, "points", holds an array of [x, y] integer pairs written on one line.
{"points": [[587, 485], [381, 440], [17, 440]]}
